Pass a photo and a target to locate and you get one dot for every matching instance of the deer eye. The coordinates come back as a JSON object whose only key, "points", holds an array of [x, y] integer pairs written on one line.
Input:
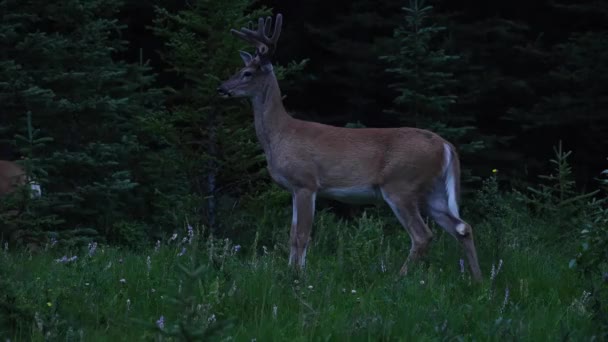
{"points": [[247, 74]]}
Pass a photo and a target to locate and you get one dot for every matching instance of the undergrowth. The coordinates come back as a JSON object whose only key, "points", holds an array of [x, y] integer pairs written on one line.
{"points": [[192, 286]]}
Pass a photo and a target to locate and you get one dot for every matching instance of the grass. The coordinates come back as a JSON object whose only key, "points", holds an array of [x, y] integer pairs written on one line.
{"points": [[350, 290]]}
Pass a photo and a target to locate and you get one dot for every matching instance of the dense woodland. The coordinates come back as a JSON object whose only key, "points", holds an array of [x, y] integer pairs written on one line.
{"points": [[114, 102], [111, 106]]}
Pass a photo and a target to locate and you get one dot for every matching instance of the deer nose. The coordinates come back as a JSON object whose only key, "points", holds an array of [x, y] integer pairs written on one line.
{"points": [[222, 91]]}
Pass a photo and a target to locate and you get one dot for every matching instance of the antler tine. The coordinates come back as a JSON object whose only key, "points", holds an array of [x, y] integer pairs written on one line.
{"points": [[265, 44], [260, 32], [278, 23], [267, 26]]}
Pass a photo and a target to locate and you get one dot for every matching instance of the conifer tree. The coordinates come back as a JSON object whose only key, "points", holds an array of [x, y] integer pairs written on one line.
{"points": [[215, 137], [424, 80], [57, 63]]}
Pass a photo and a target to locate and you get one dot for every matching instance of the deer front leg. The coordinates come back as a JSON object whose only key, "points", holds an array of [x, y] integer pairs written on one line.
{"points": [[301, 225]]}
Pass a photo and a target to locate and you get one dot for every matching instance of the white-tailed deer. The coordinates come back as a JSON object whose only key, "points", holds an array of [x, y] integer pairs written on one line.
{"points": [[408, 168], [12, 177]]}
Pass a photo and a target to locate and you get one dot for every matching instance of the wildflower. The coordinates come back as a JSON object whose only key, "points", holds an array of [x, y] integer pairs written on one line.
{"points": [[149, 264], [265, 250], [153, 290], [579, 304], [120, 261], [160, 323], [53, 241], [296, 281], [211, 318], [108, 266], [86, 284], [92, 248], [495, 270], [157, 247], [461, 265], [64, 259], [184, 240], [39, 322], [505, 302], [182, 252], [382, 266], [190, 234], [274, 311], [173, 237], [49, 304], [236, 248], [123, 281], [494, 170], [128, 304], [310, 287], [353, 291], [422, 282]]}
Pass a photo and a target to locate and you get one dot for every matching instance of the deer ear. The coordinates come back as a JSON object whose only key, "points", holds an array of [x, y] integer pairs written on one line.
{"points": [[246, 57]]}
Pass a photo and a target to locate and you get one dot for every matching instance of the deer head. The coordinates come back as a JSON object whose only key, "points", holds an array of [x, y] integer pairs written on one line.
{"points": [[248, 81]]}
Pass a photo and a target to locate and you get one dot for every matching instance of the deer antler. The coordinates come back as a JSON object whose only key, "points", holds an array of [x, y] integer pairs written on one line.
{"points": [[260, 38]]}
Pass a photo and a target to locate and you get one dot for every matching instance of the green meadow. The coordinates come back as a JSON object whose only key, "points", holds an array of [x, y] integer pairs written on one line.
{"points": [[192, 286]]}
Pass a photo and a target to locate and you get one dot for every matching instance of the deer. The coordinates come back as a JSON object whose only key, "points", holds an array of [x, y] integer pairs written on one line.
{"points": [[12, 177], [410, 169]]}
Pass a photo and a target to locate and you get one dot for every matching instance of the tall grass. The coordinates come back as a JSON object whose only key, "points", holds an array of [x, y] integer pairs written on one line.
{"points": [[212, 290], [544, 278]]}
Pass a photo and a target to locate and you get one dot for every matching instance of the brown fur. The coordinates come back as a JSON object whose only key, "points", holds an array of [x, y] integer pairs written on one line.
{"points": [[405, 165], [12, 176]]}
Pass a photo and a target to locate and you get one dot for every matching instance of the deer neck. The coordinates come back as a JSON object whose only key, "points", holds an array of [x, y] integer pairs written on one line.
{"points": [[270, 116]]}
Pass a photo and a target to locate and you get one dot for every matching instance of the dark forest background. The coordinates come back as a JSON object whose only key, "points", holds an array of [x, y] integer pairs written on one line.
{"points": [[111, 104]]}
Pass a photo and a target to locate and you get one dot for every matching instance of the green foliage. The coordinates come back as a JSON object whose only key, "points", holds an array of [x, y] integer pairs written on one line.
{"points": [[558, 196], [574, 96], [206, 288], [24, 219], [424, 78], [129, 234], [215, 138], [70, 109], [592, 255], [425, 82]]}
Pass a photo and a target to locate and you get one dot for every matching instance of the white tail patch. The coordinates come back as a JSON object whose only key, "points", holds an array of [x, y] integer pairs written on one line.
{"points": [[450, 188], [461, 228], [35, 189]]}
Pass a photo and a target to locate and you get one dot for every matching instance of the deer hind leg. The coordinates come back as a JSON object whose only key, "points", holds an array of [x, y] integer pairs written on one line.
{"points": [[447, 216], [301, 225], [406, 209]]}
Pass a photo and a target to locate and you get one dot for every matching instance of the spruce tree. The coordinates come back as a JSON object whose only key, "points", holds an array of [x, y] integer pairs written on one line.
{"points": [[218, 149], [574, 99], [57, 63], [424, 80]]}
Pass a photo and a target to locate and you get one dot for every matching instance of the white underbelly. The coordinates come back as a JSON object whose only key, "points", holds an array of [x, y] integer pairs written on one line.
{"points": [[353, 195]]}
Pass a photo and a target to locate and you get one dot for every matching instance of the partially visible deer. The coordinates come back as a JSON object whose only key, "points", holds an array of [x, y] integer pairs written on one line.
{"points": [[12, 177], [408, 168]]}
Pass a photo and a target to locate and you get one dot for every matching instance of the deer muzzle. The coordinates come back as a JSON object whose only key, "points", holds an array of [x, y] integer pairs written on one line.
{"points": [[223, 92]]}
